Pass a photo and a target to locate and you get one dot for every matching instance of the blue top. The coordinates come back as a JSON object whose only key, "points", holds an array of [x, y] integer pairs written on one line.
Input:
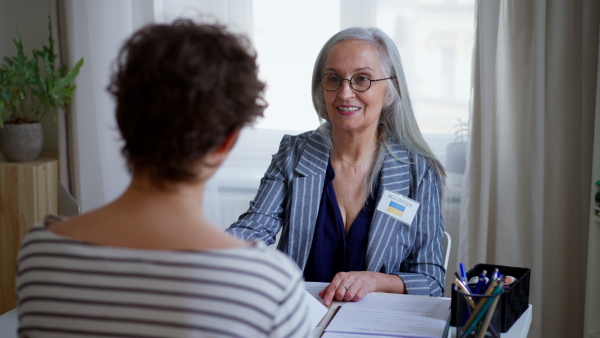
{"points": [[332, 250]]}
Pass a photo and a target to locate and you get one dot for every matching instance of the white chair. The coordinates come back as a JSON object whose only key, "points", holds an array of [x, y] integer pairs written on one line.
{"points": [[446, 245]]}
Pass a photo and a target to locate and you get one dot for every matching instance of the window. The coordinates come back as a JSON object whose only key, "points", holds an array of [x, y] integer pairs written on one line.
{"points": [[434, 38], [288, 36]]}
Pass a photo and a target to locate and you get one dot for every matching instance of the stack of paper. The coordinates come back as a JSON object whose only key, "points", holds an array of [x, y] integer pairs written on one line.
{"points": [[392, 315]]}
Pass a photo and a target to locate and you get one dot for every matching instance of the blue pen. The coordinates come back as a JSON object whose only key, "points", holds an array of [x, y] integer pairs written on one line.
{"points": [[481, 282], [463, 273]]}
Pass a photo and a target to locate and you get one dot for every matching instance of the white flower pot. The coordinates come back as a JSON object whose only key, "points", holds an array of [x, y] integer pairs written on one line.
{"points": [[456, 157]]}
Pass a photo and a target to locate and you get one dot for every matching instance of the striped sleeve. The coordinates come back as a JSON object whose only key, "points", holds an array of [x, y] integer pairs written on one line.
{"points": [[292, 319], [263, 219]]}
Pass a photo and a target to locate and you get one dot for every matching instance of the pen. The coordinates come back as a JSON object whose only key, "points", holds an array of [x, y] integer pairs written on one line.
{"points": [[495, 274], [481, 281], [483, 307], [465, 290], [463, 274], [480, 305], [463, 283]]}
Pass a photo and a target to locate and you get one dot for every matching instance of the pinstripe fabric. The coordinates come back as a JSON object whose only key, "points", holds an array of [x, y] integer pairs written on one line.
{"points": [[288, 200], [66, 288]]}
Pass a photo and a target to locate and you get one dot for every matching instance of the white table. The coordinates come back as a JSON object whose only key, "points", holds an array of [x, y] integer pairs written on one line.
{"points": [[8, 324], [518, 330]]}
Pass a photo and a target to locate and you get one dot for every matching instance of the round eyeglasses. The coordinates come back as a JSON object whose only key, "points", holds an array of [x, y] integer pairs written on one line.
{"points": [[359, 82]]}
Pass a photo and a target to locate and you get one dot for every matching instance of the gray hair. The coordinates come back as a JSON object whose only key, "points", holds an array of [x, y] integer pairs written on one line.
{"points": [[397, 121]]}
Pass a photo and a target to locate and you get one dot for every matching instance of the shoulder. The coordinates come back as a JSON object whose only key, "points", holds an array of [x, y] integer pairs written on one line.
{"points": [[299, 141], [40, 233], [312, 146], [400, 156]]}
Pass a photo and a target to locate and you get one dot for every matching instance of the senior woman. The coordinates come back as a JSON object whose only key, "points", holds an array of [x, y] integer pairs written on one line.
{"points": [[357, 201]]}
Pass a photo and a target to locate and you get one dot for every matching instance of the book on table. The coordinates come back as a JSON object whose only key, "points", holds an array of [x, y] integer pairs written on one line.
{"points": [[386, 314]]}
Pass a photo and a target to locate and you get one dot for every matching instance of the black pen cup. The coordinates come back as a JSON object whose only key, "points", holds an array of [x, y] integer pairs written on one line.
{"points": [[477, 315]]}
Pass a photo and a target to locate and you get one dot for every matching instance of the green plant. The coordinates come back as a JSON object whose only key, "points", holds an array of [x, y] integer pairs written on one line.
{"points": [[461, 131], [32, 86]]}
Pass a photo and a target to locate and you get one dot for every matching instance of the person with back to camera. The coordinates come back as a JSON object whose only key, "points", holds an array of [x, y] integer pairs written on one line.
{"points": [[342, 195], [149, 264]]}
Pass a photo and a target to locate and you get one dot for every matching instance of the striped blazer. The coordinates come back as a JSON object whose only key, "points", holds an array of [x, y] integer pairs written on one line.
{"points": [[289, 196]]}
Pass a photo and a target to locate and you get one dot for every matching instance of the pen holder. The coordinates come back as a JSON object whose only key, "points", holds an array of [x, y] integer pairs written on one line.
{"points": [[515, 299], [477, 315]]}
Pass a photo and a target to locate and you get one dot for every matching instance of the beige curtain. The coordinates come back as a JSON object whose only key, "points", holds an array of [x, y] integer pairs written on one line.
{"points": [[526, 191]]}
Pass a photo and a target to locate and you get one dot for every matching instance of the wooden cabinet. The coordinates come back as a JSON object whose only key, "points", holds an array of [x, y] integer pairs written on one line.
{"points": [[28, 192]]}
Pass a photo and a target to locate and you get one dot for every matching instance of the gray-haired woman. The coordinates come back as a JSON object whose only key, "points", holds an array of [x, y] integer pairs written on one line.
{"points": [[357, 201]]}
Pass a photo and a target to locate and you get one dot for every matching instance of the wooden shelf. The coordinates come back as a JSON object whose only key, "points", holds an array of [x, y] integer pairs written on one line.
{"points": [[28, 192]]}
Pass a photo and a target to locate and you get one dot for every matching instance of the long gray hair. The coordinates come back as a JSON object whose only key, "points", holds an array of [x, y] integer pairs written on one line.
{"points": [[397, 121]]}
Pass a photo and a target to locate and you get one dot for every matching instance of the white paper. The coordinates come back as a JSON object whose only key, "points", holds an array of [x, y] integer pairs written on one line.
{"points": [[392, 315], [314, 288], [317, 310]]}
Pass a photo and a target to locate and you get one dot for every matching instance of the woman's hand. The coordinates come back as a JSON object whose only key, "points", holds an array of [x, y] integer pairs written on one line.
{"points": [[354, 285]]}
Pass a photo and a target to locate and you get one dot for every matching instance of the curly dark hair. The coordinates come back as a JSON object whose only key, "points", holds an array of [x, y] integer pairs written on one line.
{"points": [[180, 90]]}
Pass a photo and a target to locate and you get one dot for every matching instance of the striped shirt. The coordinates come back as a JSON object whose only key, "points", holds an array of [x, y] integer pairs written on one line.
{"points": [[66, 288]]}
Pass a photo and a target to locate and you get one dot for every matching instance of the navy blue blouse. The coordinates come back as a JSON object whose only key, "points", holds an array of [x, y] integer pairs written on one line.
{"points": [[332, 250]]}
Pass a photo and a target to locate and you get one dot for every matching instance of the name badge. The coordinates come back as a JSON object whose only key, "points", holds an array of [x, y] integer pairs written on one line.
{"points": [[398, 206]]}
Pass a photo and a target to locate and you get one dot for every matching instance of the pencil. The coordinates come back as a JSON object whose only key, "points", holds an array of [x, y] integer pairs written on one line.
{"points": [[482, 307], [481, 304], [488, 318]]}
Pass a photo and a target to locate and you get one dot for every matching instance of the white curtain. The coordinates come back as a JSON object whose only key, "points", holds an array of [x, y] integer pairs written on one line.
{"points": [[526, 190]]}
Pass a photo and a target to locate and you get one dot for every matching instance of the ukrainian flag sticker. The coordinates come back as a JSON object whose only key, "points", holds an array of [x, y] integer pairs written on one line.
{"points": [[396, 209], [398, 206]]}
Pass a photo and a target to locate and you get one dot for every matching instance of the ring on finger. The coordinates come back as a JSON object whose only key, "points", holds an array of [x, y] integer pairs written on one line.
{"points": [[345, 287]]}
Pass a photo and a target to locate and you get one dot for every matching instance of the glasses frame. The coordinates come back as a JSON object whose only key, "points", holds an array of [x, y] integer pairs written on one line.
{"points": [[350, 82]]}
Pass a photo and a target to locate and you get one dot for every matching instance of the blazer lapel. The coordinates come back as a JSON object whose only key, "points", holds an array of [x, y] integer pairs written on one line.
{"points": [[306, 191], [396, 178]]}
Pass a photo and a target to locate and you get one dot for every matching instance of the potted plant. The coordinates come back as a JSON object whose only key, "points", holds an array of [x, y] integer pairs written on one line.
{"points": [[30, 87], [456, 151]]}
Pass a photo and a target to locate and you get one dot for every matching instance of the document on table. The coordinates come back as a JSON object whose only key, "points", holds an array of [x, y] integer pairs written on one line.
{"points": [[313, 288], [317, 310], [391, 315]]}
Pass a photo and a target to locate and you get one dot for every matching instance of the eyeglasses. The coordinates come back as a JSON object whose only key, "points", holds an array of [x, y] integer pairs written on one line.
{"points": [[359, 82]]}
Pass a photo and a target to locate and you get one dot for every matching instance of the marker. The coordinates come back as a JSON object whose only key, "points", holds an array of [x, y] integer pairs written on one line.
{"points": [[509, 280]]}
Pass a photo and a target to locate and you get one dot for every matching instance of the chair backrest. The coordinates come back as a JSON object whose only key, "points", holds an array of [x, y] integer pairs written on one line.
{"points": [[446, 245], [67, 205]]}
